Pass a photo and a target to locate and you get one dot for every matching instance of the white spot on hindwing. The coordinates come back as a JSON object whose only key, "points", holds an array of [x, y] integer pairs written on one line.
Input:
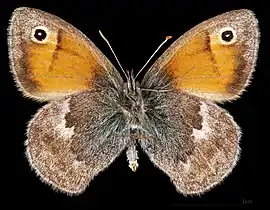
{"points": [[60, 127], [205, 131]]}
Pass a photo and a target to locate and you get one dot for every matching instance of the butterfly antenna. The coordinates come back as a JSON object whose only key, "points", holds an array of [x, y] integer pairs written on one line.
{"points": [[166, 39], [113, 53]]}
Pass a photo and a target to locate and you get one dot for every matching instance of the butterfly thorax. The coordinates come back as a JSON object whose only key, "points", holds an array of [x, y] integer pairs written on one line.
{"points": [[132, 102]]}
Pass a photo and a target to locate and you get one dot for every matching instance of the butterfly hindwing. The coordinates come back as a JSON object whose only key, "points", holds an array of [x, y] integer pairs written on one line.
{"points": [[196, 144], [72, 139]]}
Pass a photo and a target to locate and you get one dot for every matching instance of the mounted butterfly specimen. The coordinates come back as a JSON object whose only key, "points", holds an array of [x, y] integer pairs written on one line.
{"points": [[93, 114]]}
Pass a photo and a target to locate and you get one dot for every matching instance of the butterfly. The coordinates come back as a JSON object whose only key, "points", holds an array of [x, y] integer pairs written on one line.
{"points": [[93, 113]]}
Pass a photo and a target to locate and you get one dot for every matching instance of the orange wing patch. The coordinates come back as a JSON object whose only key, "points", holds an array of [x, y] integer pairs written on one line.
{"points": [[64, 64], [204, 66]]}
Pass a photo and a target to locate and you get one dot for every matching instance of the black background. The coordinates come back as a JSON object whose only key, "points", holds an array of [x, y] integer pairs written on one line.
{"points": [[134, 29]]}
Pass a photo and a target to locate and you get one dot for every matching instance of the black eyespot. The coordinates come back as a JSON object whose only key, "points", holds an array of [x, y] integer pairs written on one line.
{"points": [[40, 34], [227, 35]]}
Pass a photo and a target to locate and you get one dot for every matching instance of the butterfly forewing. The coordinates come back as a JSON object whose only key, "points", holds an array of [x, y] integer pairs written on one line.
{"points": [[50, 58], [206, 63]]}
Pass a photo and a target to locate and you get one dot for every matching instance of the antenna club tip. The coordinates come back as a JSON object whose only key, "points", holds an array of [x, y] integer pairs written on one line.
{"points": [[168, 37]]}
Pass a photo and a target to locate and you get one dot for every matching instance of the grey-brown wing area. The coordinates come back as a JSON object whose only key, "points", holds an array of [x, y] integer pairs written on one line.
{"points": [[73, 139], [196, 143]]}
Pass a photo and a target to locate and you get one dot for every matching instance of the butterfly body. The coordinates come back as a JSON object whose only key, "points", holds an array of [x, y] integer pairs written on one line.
{"points": [[93, 115], [136, 112]]}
